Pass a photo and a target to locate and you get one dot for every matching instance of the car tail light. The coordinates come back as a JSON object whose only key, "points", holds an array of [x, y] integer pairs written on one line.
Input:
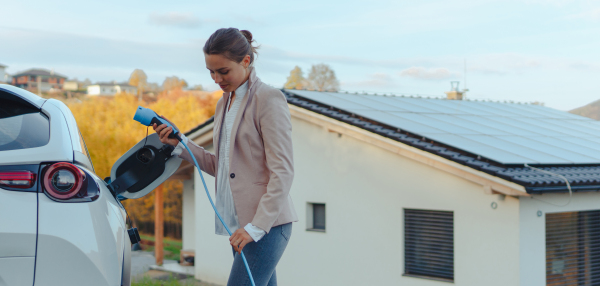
{"points": [[63, 180], [17, 179]]}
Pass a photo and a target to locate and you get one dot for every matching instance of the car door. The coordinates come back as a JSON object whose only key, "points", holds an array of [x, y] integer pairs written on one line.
{"points": [[143, 168]]}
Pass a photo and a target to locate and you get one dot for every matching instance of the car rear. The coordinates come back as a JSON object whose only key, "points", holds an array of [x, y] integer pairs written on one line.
{"points": [[59, 224]]}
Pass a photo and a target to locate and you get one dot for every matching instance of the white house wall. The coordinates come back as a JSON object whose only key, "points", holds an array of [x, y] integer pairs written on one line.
{"points": [[188, 236], [365, 189], [533, 229]]}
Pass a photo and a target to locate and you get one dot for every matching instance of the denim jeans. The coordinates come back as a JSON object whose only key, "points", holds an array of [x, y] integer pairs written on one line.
{"points": [[262, 257]]}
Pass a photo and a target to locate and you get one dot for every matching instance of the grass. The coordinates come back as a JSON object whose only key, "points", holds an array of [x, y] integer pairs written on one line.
{"points": [[147, 281], [171, 247]]}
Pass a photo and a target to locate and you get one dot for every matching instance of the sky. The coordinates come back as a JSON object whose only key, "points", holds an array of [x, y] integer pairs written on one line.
{"points": [[532, 50]]}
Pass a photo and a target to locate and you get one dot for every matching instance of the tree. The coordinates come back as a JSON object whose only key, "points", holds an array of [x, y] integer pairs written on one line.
{"points": [[139, 79], [322, 78], [174, 82], [198, 87], [296, 80]]}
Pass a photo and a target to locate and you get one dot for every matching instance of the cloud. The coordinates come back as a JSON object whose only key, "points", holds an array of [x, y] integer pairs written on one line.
{"points": [[175, 19], [429, 74], [373, 81]]}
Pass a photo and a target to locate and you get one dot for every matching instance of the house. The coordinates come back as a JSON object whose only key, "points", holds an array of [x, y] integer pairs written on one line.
{"points": [[396, 190], [72, 85], [38, 80], [3, 74], [110, 88]]}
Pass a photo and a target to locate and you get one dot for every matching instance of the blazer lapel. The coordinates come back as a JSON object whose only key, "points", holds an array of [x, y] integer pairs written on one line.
{"points": [[219, 114], [252, 85]]}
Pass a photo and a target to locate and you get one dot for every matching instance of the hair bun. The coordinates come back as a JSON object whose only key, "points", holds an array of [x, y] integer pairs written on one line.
{"points": [[248, 35]]}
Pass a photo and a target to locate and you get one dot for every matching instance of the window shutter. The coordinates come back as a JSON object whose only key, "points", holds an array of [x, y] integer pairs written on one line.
{"points": [[429, 244], [573, 248]]}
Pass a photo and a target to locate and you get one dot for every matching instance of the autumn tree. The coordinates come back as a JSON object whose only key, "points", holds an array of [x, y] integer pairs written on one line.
{"points": [[138, 79], [173, 82], [296, 80], [322, 78]]}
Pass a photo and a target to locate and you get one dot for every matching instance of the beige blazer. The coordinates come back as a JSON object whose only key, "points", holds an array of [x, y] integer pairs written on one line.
{"points": [[261, 161]]}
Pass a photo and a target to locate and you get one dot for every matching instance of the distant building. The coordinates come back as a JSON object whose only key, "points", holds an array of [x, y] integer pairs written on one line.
{"points": [[36, 80], [3, 74], [110, 88], [71, 85]]}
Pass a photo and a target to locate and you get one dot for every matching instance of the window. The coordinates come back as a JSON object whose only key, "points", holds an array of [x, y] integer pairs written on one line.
{"points": [[572, 252], [315, 217], [429, 244], [21, 125]]}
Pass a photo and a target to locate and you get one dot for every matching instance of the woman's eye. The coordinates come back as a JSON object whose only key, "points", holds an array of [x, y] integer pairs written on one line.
{"points": [[224, 73]]}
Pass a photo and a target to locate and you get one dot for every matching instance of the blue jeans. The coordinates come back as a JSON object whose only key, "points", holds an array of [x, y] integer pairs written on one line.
{"points": [[262, 257]]}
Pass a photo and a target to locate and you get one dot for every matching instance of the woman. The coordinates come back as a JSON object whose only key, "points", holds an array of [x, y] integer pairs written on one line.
{"points": [[252, 164]]}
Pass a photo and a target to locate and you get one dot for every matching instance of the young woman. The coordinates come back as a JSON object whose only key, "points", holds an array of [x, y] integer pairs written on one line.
{"points": [[252, 164]]}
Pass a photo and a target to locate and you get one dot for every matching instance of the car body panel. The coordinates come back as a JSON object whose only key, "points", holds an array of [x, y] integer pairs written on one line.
{"points": [[18, 234], [80, 152], [14, 271], [59, 148], [88, 239]]}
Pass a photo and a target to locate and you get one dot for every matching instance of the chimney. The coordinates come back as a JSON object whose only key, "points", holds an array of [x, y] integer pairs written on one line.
{"points": [[454, 94]]}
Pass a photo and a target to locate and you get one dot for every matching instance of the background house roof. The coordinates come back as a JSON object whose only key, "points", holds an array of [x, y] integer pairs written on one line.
{"points": [[497, 138], [507, 133], [2, 66], [39, 72]]}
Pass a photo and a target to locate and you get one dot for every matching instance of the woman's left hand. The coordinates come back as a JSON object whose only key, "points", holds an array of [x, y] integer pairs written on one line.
{"points": [[239, 239]]}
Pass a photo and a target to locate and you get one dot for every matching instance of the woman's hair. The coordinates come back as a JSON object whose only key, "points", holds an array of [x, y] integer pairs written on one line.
{"points": [[231, 43]]}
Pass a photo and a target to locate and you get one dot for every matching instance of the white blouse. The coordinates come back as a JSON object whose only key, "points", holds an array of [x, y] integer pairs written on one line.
{"points": [[224, 198]]}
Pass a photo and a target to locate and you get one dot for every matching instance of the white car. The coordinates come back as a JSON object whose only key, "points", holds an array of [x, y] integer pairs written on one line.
{"points": [[60, 224]]}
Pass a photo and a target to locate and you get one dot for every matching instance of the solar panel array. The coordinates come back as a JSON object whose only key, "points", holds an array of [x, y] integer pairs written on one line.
{"points": [[508, 133]]}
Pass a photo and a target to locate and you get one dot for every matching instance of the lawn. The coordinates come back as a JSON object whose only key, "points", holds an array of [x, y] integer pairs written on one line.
{"points": [[146, 281], [171, 248]]}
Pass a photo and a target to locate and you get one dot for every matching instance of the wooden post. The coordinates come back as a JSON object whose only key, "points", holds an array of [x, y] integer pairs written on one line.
{"points": [[158, 225]]}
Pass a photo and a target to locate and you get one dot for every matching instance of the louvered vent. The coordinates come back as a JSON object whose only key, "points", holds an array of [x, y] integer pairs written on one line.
{"points": [[429, 244], [573, 248]]}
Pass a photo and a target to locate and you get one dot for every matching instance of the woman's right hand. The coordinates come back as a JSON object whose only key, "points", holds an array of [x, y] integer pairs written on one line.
{"points": [[163, 132]]}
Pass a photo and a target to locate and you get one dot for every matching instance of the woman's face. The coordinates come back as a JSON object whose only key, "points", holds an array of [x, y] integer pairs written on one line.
{"points": [[228, 74]]}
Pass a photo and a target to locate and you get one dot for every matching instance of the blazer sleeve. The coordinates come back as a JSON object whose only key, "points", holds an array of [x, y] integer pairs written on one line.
{"points": [[206, 160], [276, 130]]}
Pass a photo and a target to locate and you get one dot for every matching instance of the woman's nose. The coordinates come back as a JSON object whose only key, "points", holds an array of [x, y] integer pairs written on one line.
{"points": [[218, 78]]}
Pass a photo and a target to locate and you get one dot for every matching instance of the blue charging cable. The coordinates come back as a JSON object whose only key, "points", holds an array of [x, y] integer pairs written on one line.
{"points": [[215, 208]]}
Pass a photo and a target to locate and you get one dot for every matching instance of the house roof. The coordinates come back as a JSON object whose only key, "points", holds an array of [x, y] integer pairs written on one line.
{"points": [[496, 138], [39, 72], [374, 113]]}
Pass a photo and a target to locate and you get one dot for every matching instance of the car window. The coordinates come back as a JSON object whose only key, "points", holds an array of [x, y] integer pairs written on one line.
{"points": [[22, 126]]}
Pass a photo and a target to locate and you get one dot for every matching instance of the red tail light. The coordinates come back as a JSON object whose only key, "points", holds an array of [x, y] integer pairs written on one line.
{"points": [[17, 179], [63, 180]]}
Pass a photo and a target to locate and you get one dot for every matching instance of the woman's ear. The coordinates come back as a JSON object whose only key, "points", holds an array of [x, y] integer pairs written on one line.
{"points": [[246, 61]]}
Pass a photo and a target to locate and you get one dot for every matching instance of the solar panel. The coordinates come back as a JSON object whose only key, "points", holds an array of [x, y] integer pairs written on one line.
{"points": [[508, 133]]}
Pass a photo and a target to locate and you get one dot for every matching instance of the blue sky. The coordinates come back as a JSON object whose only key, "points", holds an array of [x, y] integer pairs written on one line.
{"points": [[533, 50]]}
